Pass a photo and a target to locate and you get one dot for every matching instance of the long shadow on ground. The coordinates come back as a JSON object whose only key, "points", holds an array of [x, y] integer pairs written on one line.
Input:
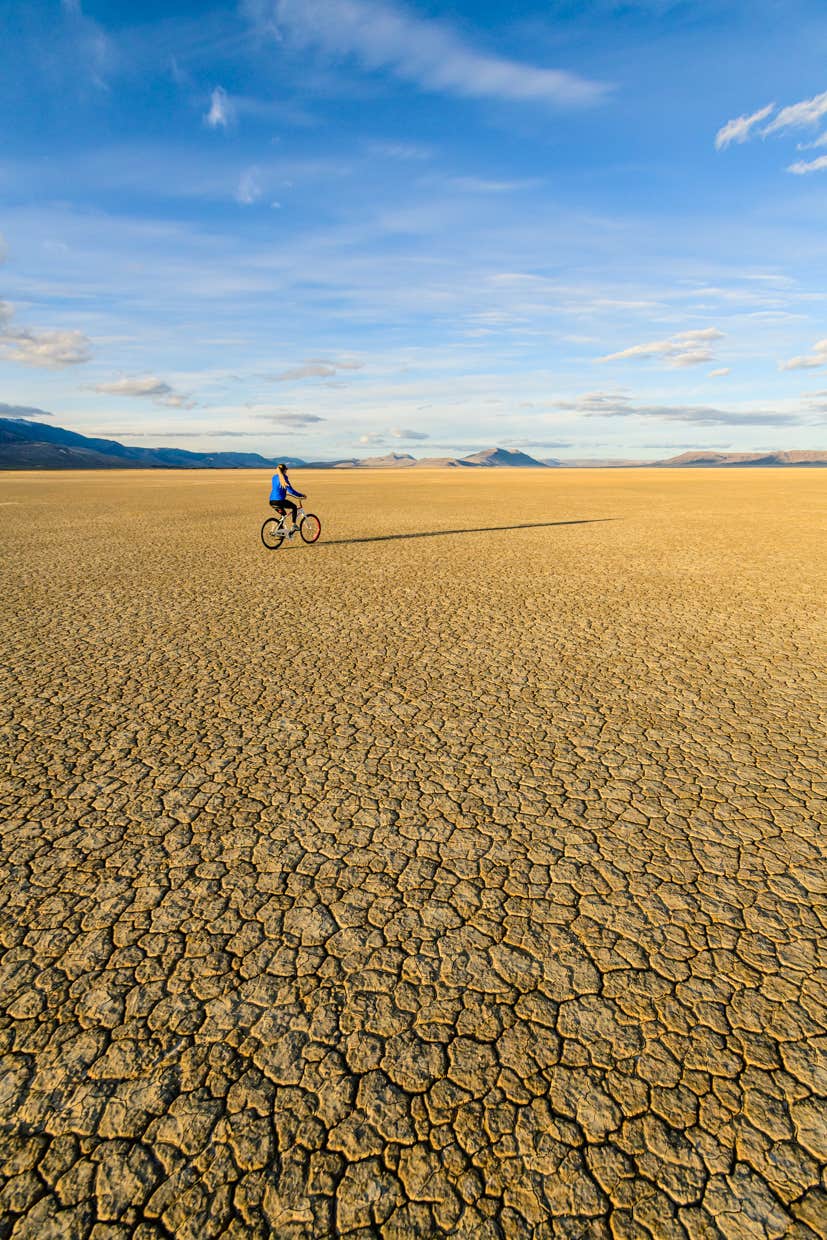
{"points": [[477, 529]]}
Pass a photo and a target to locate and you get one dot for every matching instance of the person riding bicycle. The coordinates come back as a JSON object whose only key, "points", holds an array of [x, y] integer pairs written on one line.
{"points": [[278, 495]]}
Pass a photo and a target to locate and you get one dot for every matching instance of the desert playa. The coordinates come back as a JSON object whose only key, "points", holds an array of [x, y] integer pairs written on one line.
{"points": [[461, 875]]}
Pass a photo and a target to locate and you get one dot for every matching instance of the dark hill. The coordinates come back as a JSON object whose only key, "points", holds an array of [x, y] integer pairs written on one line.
{"points": [[35, 445]]}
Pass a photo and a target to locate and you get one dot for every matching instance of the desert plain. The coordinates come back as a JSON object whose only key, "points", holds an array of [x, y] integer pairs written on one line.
{"points": [[461, 875]]}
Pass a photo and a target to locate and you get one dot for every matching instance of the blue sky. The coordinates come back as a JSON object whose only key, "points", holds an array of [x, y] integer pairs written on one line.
{"points": [[326, 227]]}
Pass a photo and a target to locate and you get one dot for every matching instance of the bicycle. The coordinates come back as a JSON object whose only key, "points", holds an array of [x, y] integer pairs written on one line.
{"points": [[274, 531]]}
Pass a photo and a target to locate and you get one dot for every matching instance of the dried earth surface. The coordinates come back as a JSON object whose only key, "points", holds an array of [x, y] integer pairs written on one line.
{"points": [[434, 880]]}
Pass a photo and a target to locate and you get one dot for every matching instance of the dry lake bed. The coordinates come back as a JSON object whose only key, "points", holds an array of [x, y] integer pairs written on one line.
{"points": [[462, 875]]}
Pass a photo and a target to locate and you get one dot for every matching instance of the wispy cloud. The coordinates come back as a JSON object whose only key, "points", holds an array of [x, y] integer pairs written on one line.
{"points": [[799, 115], [23, 411], [290, 419], [536, 444], [815, 402], [148, 387], [399, 433], [249, 187], [220, 110], [164, 437], [741, 128], [821, 140], [719, 372], [405, 151], [93, 49], [592, 402], [801, 166], [44, 349], [808, 361], [311, 370], [385, 36], [690, 348], [316, 368], [482, 185], [613, 405]]}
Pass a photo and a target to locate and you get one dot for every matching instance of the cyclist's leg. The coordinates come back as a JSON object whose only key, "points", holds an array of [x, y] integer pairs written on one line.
{"points": [[278, 508], [293, 511]]}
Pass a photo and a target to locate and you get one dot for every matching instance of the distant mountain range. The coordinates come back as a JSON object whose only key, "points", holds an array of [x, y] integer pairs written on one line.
{"points": [[35, 445], [708, 459], [28, 444], [490, 458]]}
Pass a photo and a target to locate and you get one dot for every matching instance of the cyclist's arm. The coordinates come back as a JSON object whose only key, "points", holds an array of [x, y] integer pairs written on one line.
{"points": [[298, 494]]}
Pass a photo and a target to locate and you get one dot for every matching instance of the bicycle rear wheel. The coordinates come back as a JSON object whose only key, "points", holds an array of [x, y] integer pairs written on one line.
{"points": [[310, 528], [272, 534]]}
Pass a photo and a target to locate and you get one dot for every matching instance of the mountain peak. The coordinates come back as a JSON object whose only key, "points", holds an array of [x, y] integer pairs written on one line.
{"points": [[491, 457], [392, 460]]}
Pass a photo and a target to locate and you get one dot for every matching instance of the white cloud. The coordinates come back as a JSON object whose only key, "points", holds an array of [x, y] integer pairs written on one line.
{"points": [[719, 373], [290, 419], [44, 349], [815, 402], [821, 140], [341, 363], [691, 357], [796, 116], [537, 444], [613, 405], [312, 370], [399, 150], [690, 348], [220, 110], [740, 129], [399, 433], [47, 350], [799, 115], [317, 368], [800, 167], [592, 402], [808, 361], [149, 387], [91, 47], [383, 35], [249, 187], [479, 185]]}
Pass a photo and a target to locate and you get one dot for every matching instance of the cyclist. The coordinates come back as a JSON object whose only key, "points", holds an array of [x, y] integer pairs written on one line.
{"points": [[278, 496]]}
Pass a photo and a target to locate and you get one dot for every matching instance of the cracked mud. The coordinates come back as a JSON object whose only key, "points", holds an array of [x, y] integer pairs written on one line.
{"points": [[469, 885]]}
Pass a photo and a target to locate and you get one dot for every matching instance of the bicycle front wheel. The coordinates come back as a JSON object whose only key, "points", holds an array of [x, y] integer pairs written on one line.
{"points": [[271, 534], [310, 528]]}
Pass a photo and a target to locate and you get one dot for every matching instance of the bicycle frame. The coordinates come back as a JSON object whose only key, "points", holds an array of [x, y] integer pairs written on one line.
{"points": [[283, 517]]}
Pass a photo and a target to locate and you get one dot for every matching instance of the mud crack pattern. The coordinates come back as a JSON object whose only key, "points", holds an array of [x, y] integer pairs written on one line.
{"points": [[463, 885]]}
